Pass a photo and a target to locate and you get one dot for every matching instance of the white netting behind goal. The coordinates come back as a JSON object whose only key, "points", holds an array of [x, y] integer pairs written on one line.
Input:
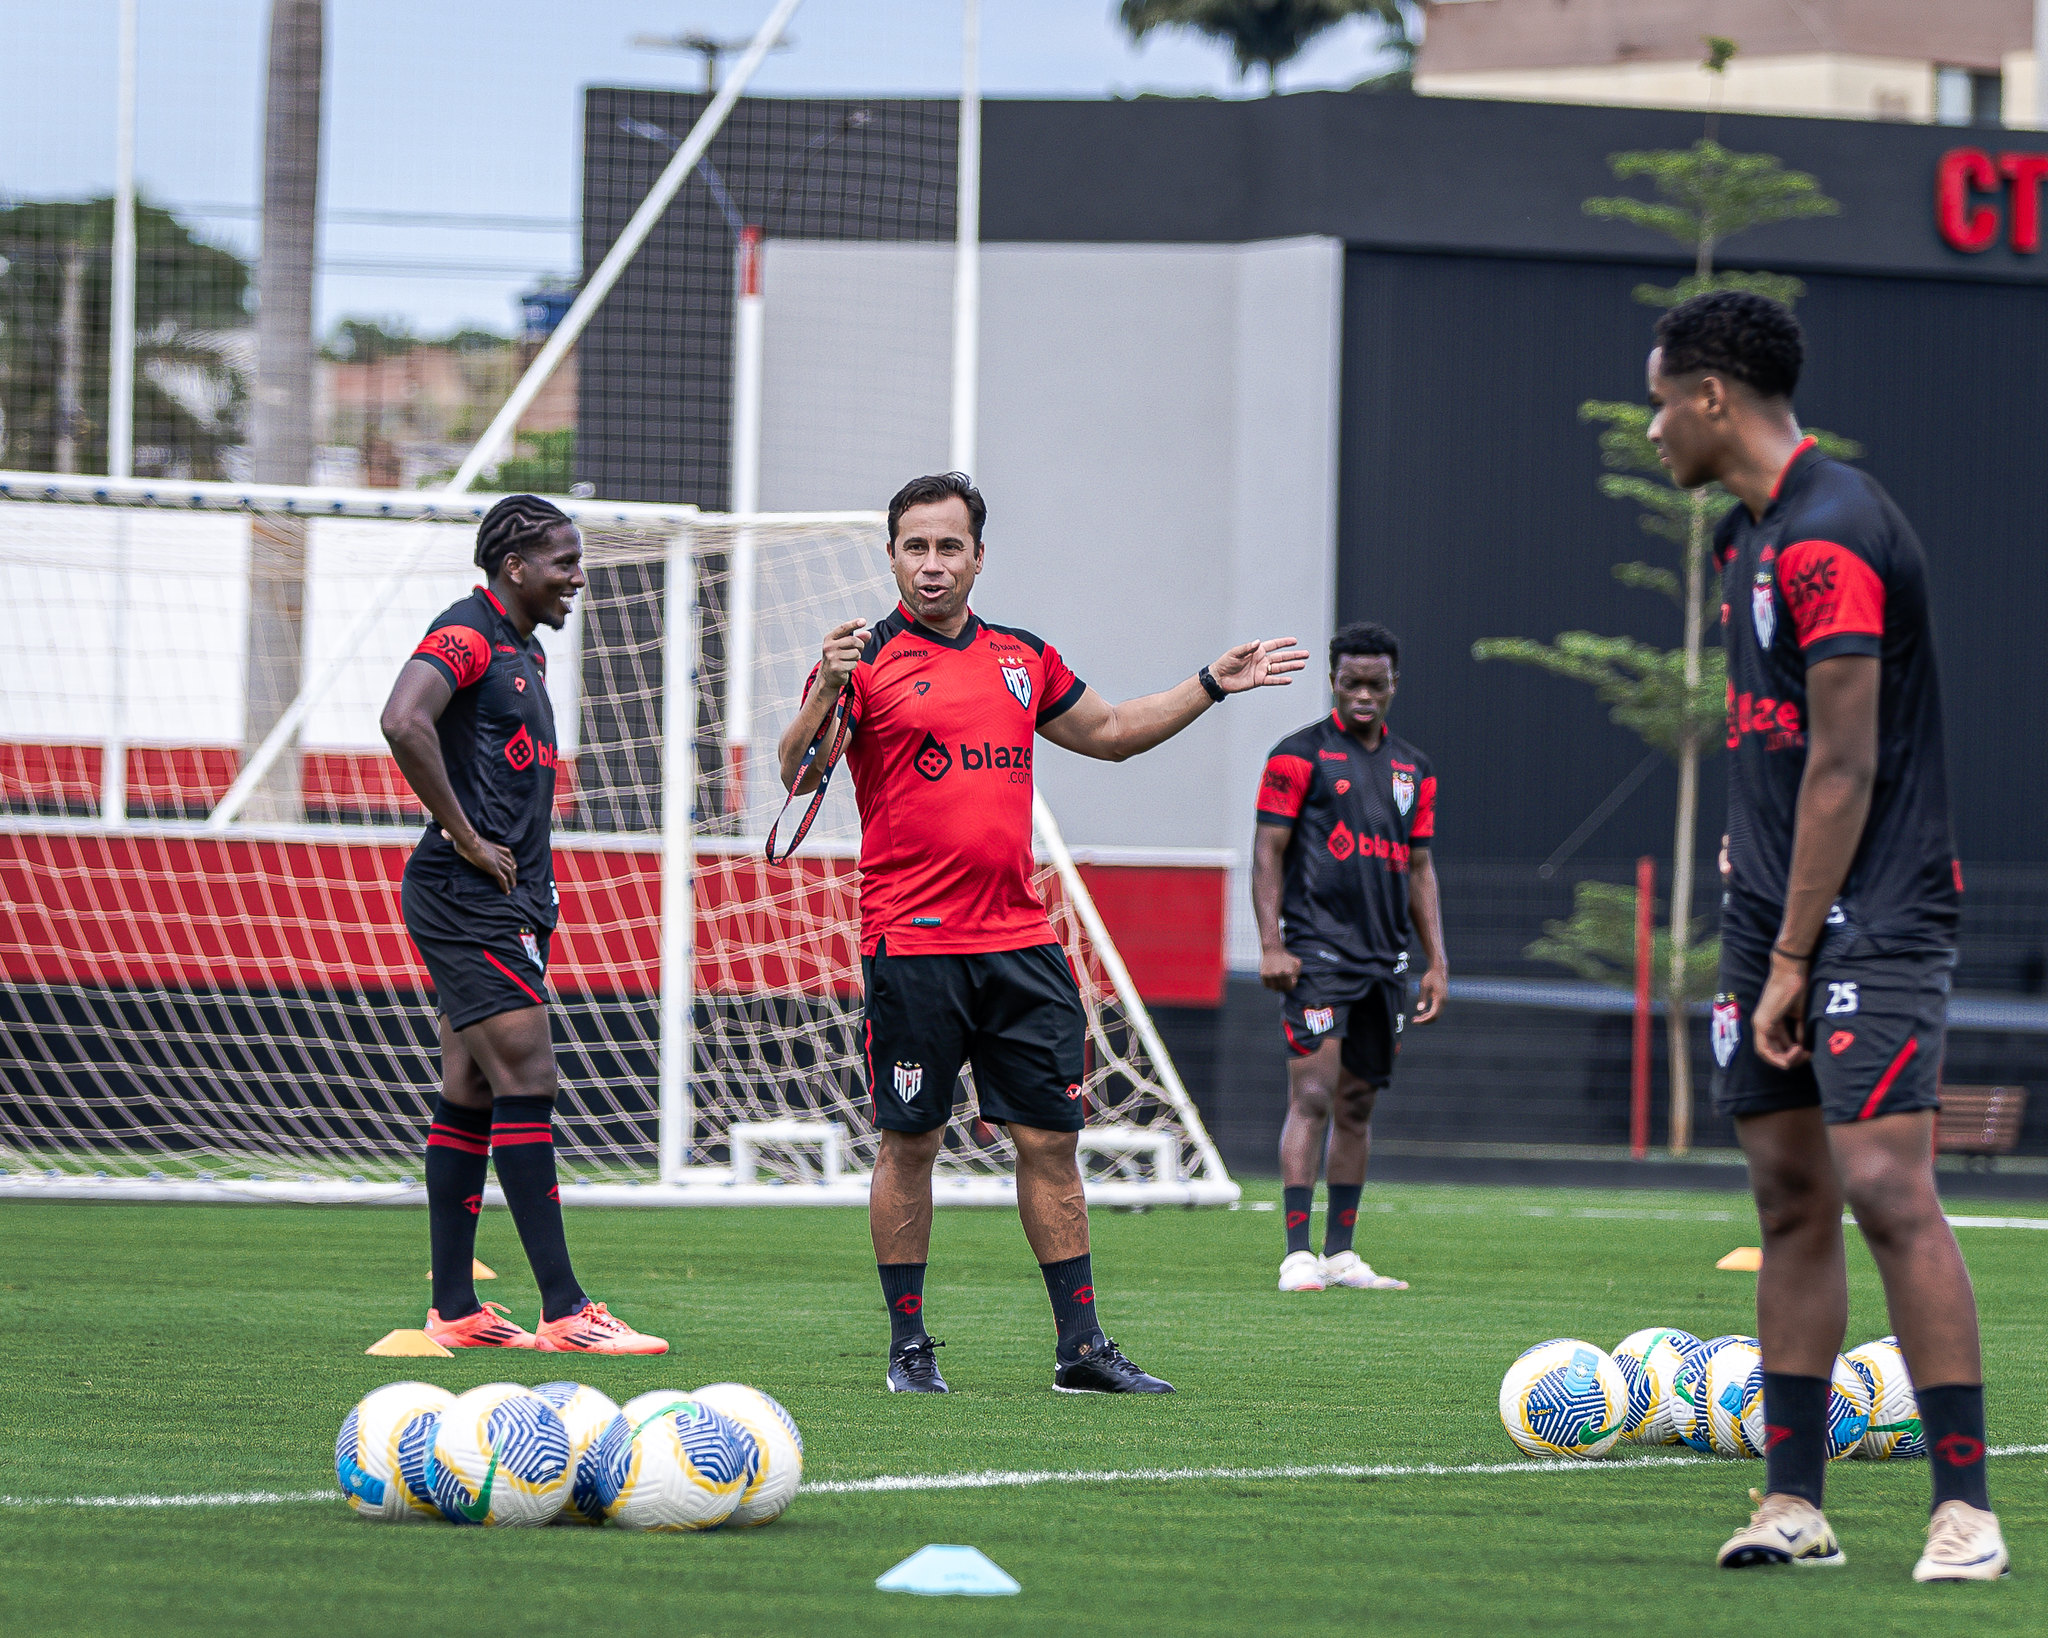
{"points": [[241, 1002]]}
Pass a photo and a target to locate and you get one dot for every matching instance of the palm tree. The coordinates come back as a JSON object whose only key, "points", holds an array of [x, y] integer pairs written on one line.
{"points": [[282, 415], [1263, 33]]}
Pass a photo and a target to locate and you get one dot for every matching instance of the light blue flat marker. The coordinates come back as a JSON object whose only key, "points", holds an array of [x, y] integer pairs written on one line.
{"points": [[937, 1570]]}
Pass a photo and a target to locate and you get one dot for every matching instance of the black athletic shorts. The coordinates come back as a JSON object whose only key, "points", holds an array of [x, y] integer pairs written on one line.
{"points": [[1015, 1015], [1367, 1013], [1876, 1022], [483, 958]]}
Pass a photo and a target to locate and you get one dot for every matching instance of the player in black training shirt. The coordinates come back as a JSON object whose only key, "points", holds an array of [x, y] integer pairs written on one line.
{"points": [[1347, 812], [1838, 926], [474, 733]]}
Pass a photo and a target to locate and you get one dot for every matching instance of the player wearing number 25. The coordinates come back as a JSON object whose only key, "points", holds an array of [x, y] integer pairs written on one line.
{"points": [[958, 960], [1838, 929]]}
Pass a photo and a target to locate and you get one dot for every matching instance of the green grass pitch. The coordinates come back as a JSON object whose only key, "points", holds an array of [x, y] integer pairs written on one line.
{"points": [[187, 1350]]}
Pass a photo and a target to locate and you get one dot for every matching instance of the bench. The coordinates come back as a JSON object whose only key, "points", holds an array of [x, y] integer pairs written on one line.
{"points": [[1979, 1120]]}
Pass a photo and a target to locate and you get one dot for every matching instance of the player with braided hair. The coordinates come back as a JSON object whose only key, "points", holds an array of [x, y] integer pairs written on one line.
{"points": [[471, 725]]}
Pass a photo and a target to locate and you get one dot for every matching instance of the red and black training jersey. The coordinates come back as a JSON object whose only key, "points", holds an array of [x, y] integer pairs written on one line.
{"points": [[941, 757], [498, 740], [1832, 568], [1354, 814]]}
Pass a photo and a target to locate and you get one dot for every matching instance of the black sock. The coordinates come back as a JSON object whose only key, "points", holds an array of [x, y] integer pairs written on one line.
{"points": [[1952, 1419], [1339, 1226], [1795, 1435], [523, 1149], [1071, 1285], [458, 1155], [1295, 1202], [903, 1291]]}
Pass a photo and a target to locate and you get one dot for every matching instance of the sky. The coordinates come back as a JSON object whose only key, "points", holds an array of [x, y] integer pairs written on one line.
{"points": [[472, 108]]}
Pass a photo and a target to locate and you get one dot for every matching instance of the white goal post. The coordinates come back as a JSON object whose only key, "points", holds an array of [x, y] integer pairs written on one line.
{"points": [[230, 1010]]}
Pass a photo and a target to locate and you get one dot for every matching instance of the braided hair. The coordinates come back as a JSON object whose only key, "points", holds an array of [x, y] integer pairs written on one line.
{"points": [[515, 522]]}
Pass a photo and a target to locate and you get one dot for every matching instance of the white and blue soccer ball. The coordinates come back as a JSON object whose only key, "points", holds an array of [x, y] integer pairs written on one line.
{"points": [[500, 1456], [585, 1415], [1894, 1430], [1689, 1421], [1564, 1398], [385, 1432], [1735, 1398], [781, 1466], [670, 1463], [1651, 1360], [1848, 1410]]}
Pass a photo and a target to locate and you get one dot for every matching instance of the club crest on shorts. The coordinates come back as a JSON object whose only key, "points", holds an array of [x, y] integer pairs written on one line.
{"points": [[1727, 1028], [909, 1079], [1763, 603], [1017, 679], [1404, 791], [531, 946], [1318, 1019]]}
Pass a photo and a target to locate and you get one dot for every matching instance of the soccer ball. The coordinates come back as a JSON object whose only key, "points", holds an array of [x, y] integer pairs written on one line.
{"points": [[781, 1467], [398, 1417], [585, 1415], [1652, 1359], [1894, 1429], [1564, 1398], [1848, 1409], [669, 1463], [500, 1456], [1735, 1398], [1689, 1395]]}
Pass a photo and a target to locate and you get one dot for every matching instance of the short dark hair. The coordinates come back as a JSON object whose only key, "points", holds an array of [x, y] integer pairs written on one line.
{"points": [[516, 522], [938, 486], [1365, 637], [1738, 333]]}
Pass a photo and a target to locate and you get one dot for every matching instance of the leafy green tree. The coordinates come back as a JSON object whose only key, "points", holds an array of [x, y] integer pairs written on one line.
{"points": [[189, 298], [1262, 33], [1598, 942], [1673, 699], [544, 464]]}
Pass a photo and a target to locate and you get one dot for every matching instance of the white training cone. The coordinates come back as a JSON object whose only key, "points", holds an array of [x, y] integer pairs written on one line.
{"points": [[939, 1570]]}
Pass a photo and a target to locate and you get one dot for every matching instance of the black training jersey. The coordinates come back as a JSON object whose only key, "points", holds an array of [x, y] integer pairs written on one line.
{"points": [[498, 740], [1833, 567], [1354, 814]]}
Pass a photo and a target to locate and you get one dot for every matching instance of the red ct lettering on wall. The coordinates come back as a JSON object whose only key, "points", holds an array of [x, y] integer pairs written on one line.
{"points": [[1967, 221]]}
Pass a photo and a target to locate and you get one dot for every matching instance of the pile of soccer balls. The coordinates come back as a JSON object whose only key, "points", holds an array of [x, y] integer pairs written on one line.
{"points": [[564, 1453], [1661, 1387]]}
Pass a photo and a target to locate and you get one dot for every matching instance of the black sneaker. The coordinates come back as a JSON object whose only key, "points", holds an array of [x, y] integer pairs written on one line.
{"points": [[1104, 1370], [912, 1369]]}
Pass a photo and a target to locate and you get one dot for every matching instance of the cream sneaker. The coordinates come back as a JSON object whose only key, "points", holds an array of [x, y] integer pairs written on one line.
{"points": [[1302, 1271], [1963, 1544], [1353, 1272], [1782, 1530]]}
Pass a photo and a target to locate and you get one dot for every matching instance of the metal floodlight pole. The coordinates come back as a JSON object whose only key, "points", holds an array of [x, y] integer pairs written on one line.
{"points": [[499, 432], [121, 415], [748, 334], [967, 254]]}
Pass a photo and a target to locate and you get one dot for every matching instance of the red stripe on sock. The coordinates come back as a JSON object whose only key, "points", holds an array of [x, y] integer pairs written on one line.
{"points": [[439, 1139], [502, 1142], [1884, 1081], [523, 1126], [509, 973]]}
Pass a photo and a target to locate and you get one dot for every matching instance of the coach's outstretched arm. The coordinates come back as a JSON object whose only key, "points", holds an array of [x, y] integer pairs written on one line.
{"points": [[1111, 733]]}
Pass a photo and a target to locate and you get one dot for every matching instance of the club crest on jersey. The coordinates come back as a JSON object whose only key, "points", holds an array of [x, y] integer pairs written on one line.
{"points": [[1319, 1019], [1727, 1028], [531, 946], [1017, 679], [1404, 791], [909, 1080], [1763, 603]]}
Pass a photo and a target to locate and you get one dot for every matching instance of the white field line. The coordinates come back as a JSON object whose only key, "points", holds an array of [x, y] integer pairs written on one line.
{"points": [[1012, 1479]]}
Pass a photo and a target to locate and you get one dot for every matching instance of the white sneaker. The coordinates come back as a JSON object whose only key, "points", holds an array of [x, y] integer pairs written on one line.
{"points": [[1963, 1544], [1302, 1271], [1783, 1530], [1352, 1271]]}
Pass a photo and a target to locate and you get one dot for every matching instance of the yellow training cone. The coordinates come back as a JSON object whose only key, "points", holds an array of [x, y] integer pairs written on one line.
{"points": [[477, 1271], [1743, 1260], [408, 1345]]}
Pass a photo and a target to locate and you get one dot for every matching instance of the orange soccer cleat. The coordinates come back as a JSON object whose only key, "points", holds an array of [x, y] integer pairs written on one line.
{"points": [[595, 1329], [488, 1327]]}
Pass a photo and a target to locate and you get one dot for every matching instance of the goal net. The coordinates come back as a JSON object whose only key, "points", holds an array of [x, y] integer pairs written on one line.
{"points": [[217, 999]]}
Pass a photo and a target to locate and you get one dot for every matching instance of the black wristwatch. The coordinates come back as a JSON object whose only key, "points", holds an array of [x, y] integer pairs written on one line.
{"points": [[1210, 685]]}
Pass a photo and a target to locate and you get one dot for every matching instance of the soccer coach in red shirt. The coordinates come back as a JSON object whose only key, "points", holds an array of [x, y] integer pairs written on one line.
{"points": [[958, 961]]}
